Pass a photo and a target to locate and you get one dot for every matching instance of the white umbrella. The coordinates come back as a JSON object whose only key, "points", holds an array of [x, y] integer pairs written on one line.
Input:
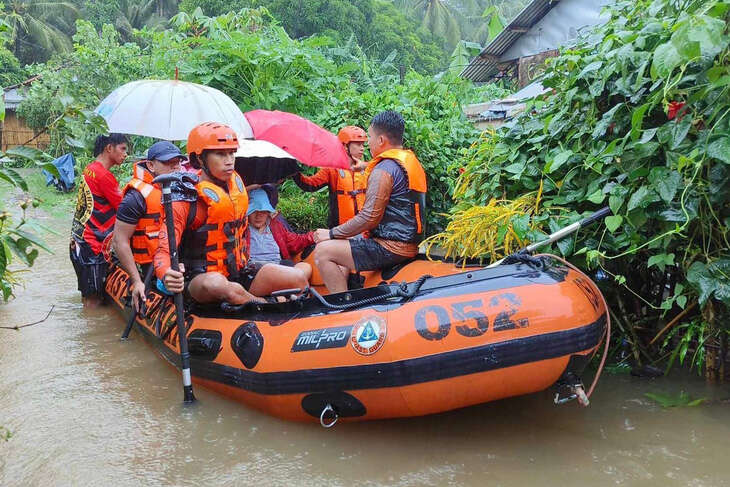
{"points": [[169, 109]]}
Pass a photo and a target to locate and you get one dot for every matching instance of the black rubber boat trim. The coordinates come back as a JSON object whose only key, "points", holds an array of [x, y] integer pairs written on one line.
{"points": [[401, 373]]}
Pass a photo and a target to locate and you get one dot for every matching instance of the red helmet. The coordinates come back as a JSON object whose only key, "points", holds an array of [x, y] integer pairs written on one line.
{"points": [[211, 135], [352, 134]]}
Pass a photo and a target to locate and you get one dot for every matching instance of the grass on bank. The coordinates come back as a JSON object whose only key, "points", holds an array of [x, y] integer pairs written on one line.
{"points": [[51, 201]]}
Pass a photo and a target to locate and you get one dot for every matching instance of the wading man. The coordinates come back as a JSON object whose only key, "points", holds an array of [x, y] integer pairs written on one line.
{"points": [[96, 209]]}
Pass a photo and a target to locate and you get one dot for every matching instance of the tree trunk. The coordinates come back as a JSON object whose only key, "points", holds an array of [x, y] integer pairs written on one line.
{"points": [[714, 347]]}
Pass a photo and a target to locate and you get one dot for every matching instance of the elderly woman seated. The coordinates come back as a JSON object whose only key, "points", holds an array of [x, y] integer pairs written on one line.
{"points": [[269, 241]]}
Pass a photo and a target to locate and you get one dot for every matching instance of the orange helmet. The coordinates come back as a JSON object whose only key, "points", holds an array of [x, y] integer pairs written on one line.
{"points": [[211, 135], [352, 134]]}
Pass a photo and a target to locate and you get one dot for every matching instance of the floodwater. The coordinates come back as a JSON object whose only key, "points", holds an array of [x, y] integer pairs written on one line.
{"points": [[86, 409]]}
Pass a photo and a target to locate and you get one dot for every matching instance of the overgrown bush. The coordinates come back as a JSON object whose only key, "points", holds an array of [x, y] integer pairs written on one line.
{"points": [[638, 118], [304, 211]]}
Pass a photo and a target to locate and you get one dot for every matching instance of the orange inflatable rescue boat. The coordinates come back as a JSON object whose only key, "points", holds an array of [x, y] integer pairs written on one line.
{"points": [[404, 345]]}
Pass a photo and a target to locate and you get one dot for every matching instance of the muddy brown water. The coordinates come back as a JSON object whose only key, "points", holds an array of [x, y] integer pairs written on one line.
{"points": [[87, 409]]}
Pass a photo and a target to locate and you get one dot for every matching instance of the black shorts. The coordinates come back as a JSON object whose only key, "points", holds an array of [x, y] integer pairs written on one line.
{"points": [[369, 255], [91, 269]]}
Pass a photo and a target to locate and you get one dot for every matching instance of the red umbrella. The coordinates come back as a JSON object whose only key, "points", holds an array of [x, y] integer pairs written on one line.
{"points": [[308, 142]]}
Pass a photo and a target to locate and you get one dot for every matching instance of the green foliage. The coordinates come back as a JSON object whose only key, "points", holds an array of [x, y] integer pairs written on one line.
{"points": [[39, 28], [680, 340], [462, 55], [377, 25], [304, 211], [5, 434], [71, 87], [100, 12], [127, 15], [638, 120], [671, 401], [17, 239], [471, 20], [10, 71], [437, 16]]}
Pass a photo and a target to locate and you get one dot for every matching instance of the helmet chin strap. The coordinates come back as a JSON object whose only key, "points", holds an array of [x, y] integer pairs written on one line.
{"points": [[217, 181]]}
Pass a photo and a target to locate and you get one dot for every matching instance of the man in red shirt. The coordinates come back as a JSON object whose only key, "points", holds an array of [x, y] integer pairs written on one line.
{"points": [[96, 208]]}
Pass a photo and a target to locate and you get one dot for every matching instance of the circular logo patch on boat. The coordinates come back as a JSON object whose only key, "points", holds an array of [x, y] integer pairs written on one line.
{"points": [[368, 335]]}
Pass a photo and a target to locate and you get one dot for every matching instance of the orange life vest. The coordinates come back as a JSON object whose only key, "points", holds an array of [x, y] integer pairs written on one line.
{"points": [[350, 189], [219, 244], [404, 218], [144, 238]]}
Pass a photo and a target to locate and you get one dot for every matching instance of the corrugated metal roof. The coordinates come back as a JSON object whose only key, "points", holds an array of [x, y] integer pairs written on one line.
{"points": [[12, 98], [484, 65]]}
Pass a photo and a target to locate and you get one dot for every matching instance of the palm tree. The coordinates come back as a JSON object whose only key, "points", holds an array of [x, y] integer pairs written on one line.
{"points": [[167, 8], [136, 14], [38, 28], [438, 16]]}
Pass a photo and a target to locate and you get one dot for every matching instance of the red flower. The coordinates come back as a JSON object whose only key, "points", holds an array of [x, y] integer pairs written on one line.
{"points": [[673, 108]]}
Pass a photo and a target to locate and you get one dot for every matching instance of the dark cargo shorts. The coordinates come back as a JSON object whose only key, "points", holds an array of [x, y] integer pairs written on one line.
{"points": [[91, 269], [369, 255]]}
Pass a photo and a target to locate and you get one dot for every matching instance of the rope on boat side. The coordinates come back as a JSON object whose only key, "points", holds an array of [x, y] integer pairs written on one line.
{"points": [[401, 291]]}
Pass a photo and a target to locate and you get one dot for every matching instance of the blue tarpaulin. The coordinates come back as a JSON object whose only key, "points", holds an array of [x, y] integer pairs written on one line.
{"points": [[65, 165]]}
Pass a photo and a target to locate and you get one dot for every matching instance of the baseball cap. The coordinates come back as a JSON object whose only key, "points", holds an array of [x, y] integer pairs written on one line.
{"points": [[164, 151]]}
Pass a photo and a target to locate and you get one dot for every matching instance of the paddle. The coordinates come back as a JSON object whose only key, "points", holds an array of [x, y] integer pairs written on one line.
{"points": [[562, 233], [182, 181], [147, 278]]}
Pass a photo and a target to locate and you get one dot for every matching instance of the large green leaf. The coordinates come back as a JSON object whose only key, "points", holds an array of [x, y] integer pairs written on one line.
{"points": [[613, 222], [711, 279], [28, 153], [720, 149], [638, 198], [11, 176], [700, 36], [680, 131], [636, 120], [666, 181], [557, 161], [666, 58]]}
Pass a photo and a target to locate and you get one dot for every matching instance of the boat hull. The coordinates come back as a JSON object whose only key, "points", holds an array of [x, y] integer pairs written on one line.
{"points": [[465, 338]]}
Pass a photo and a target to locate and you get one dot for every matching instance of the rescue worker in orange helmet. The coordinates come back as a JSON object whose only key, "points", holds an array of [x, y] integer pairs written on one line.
{"points": [[211, 231], [138, 215], [394, 213], [347, 188]]}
